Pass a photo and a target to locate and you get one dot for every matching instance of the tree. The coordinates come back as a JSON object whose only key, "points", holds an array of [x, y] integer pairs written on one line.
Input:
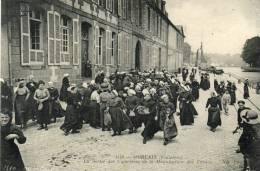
{"points": [[251, 52]]}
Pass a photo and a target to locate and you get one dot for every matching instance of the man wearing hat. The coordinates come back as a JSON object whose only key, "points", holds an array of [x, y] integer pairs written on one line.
{"points": [[249, 141]]}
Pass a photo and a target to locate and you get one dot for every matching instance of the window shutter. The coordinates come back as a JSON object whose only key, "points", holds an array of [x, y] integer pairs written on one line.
{"points": [[75, 41], [50, 18], [97, 44], [93, 60], [57, 42], [119, 49], [110, 52], [25, 36], [107, 46], [126, 49], [119, 8]]}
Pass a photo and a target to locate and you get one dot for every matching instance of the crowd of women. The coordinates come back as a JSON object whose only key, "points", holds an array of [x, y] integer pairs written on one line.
{"points": [[127, 101], [123, 101]]}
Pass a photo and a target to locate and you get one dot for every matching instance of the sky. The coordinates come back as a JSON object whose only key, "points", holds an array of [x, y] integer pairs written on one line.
{"points": [[222, 25]]}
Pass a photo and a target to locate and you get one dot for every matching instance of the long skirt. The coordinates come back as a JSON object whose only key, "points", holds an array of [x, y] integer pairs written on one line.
{"points": [[43, 116], [12, 161], [246, 92], [151, 127], [214, 119], [94, 114], [54, 110], [32, 107], [134, 117], [195, 93], [170, 130], [233, 97], [187, 114], [120, 121], [20, 110], [71, 121]]}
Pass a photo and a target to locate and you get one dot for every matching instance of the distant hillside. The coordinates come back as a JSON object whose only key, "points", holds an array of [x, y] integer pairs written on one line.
{"points": [[224, 59]]}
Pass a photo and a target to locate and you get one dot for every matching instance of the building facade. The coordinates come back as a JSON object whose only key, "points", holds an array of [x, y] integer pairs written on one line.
{"points": [[47, 38], [187, 53], [175, 47]]}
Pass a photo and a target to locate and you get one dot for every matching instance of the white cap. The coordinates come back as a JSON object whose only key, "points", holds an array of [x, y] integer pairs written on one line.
{"points": [[66, 75], [85, 85]]}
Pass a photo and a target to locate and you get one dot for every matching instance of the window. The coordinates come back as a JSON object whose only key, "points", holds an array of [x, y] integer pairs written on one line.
{"points": [[109, 47], [157, 25], [140, 13], [99, 46], [129, 10], [65, 35], [65, 42], [35, 30], [124, 8], [113, 47], [109, 5], [119, 8], [31, 37], [149, 19], [127, 46]]}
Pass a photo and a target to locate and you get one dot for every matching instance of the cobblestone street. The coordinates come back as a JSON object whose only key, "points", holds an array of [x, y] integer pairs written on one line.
{"points": [[195, 148]]}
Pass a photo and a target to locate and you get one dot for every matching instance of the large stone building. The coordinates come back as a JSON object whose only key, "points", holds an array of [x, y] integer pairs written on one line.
{"points": [[175, 47], [48, 38], [187, 54]]}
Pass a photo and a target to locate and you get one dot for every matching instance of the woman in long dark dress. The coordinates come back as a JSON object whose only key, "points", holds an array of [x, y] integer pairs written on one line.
{"points": [[233, 94], [131, 103], [214, 118], [6, 95], [64, 88], [195, 89], [147, 114], [71, 122], [11, 159], [94, 107], [42, 96], [166, 119], [20, 104], [187, 110], [32, 105], [120, 121], [246, 89], [54, 106]]}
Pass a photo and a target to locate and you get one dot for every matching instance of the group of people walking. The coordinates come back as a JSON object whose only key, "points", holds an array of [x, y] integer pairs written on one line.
{"points": [[127, 101], [123, 101]]}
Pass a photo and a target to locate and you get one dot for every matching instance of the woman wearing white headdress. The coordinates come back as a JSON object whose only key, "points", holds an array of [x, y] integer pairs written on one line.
{"points": [[120, 121], [132, 102], [187, 110], [214, 109]]}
